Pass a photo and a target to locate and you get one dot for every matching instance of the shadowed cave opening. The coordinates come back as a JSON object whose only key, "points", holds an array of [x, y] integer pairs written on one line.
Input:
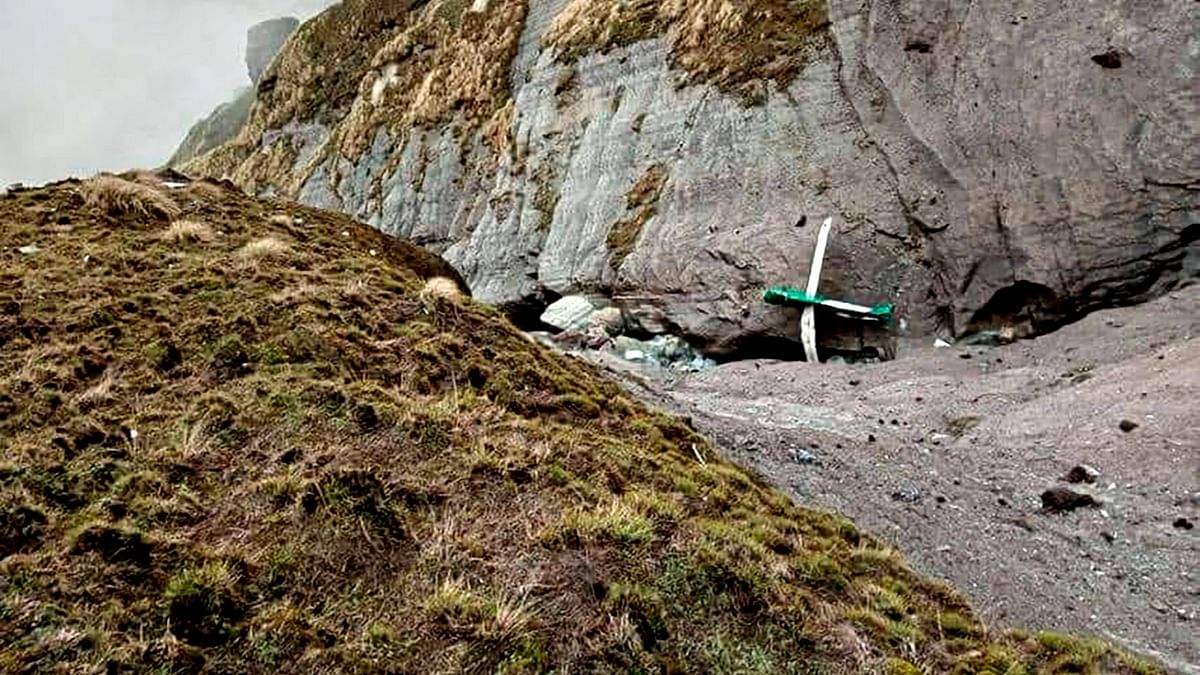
{"points": [[1023, 309]]}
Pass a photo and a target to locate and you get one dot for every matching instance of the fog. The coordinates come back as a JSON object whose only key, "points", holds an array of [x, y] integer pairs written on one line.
{"points": [[91, 85]]}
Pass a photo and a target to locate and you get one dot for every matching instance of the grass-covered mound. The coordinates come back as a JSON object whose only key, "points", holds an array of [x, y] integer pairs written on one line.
{"points": [[241, 436]]}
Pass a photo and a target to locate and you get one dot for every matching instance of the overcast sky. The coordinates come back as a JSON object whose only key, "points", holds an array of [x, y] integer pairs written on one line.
{"points": [[90, 85]]}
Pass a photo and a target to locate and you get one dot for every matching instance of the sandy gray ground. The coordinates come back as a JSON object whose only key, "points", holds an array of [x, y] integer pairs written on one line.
{"points": [[945, 453]]}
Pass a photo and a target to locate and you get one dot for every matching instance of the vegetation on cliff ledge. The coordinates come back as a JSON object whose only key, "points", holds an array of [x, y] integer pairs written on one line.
{"points": [[363, 66], [244, 436], [735, 45]]}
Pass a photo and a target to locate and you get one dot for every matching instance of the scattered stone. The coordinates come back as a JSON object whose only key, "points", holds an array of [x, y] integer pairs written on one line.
{"points": [[31, 249], [908, 495], [965, 355], [990, 338], [610, 320], [941, 344], [1063, 500], [570, 313], [1183, 524], [870, 438], [855, 383], [1108, 536], [1024, 523], [1109, 60], [1082, 473], [569, 339], [596, 339], [1128, 425], [624, 343], [802, 456], [668, 351]]}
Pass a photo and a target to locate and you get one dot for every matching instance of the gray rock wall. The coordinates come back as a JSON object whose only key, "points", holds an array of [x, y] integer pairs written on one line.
{"points": [[984, 163], [1047, 167]]}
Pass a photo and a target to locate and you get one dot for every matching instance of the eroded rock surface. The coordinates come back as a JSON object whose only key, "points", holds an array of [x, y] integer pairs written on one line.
{"points": [[1011, 165]]}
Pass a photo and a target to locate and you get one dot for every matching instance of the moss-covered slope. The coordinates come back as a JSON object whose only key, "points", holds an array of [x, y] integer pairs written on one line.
{"points": [[241, 436]]}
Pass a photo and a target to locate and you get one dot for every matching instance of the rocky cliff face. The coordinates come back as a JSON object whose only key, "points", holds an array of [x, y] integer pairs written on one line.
{"points": [[263, 42], [1016, 164], [221, 125]]}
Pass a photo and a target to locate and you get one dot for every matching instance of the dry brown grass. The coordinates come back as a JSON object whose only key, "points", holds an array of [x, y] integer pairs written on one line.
{"points": [[264, 248], [100, 392], [119, 197], [446, 63], [205, 190], [189, 231], [733, 44], [441, 287]]}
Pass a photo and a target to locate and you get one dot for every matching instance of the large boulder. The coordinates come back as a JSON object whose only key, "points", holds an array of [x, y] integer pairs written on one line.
{"points": [[988, 166], [569, 313]]}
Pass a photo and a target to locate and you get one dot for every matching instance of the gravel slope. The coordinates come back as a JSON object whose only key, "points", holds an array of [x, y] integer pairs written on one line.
{"points": [[945, 453]]}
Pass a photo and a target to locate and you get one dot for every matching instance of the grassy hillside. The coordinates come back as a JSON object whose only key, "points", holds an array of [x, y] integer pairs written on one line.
{"points": [[240, 436]]}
